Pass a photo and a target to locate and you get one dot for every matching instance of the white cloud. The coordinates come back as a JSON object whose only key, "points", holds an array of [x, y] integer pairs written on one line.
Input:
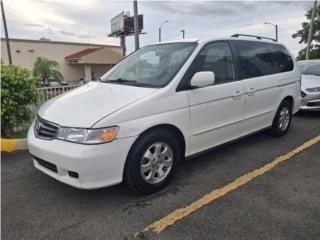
{"points": [[83, 20]]}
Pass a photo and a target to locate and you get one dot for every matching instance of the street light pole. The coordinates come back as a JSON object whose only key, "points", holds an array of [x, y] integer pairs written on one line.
{"points": [[6, 34], [136, 24], [276, 28], [160, 29], [310, 35], [183, 33]]}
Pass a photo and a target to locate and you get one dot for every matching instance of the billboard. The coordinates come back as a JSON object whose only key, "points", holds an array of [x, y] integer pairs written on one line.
{"points": [[122, 24], [129, 22], [117, 23]]}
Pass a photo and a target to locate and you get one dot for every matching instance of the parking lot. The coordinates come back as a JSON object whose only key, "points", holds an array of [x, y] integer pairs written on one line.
{"points": [[281, 203]]}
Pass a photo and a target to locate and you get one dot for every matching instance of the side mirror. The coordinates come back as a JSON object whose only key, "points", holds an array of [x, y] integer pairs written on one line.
{"points": [[202, 79]]}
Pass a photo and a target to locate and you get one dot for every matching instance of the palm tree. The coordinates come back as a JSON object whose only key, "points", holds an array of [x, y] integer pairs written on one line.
{"points": [[45, 70]]}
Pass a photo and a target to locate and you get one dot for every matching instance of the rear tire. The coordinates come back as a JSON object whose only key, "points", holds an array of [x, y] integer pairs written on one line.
{"points": [[282, 120], [152, 161]]}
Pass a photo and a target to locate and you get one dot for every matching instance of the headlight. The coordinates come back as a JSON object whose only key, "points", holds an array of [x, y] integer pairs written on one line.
{"points": [[315, 89], [88, 136]]}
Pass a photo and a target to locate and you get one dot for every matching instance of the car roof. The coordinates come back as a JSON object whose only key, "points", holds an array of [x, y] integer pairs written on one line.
{"points": [[205, 40]]}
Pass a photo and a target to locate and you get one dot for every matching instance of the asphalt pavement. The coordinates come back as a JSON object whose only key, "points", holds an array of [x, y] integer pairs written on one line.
{"points": [[283, 203]]}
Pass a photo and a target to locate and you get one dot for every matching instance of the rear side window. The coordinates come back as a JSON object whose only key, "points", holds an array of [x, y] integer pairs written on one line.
{"points": [[254, 59], [281, 58]]}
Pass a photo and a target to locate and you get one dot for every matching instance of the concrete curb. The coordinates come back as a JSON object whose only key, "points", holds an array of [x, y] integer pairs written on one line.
{"points": [[10, 145]]}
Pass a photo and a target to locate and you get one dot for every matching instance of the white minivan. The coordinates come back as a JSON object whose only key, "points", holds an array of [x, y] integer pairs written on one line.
{"points": [[161, 104]]}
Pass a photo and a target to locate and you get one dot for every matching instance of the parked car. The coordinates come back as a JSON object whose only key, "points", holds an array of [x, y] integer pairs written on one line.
{"points": [[54, 84], [161, 104], [310, 84]]}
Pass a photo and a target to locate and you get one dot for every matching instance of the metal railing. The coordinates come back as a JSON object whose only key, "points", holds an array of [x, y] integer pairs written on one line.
{"points": [[50, 92]]}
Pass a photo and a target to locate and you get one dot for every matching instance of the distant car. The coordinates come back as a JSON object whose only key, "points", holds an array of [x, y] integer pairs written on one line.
{"points": [[54, 84], [310, 84]]}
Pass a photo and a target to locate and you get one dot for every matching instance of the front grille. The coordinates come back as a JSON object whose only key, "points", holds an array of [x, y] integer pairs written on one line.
{"points": [[46, 164], [44, 129]]}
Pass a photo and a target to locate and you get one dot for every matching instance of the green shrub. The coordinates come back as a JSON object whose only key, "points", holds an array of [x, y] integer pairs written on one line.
{"points": [[18, 91]]}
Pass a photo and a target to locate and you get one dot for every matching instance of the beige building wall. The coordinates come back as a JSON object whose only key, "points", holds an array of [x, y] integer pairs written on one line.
{"points": [[25, 52]]}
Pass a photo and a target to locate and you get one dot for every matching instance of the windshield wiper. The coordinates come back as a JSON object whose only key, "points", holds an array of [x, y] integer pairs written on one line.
{"points": [[120, 80], [129, 82]]}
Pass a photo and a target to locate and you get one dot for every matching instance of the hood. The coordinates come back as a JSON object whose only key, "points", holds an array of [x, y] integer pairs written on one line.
{"points": [[84, 106], [310, 81]]}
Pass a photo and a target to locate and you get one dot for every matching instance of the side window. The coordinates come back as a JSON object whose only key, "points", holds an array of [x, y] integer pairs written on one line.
{"points": [[215, 57], [254, 59], [281, 58]]}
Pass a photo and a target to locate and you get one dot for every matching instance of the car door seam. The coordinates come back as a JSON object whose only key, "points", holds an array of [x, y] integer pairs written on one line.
{"points": [[216, 127], [215, 100]]}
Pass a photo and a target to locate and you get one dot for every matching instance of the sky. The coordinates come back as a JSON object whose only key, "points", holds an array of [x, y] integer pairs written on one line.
{"points": [[89, 20]]}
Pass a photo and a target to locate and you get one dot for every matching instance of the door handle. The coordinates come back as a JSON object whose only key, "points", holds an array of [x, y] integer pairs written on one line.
{"points": [[237, 94], [251, 91]]}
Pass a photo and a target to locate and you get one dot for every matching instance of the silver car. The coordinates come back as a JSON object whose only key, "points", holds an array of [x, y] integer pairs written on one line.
{"points": [[310, 84]]}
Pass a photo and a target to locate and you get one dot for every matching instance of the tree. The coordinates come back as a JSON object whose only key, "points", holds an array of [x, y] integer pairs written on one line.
{"points": [[304, 32], [18, 91], [45, 70]]}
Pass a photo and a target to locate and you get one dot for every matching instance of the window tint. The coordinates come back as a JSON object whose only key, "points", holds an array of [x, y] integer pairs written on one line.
{"points": [[254, 59], [215, 57], [281, 58]]}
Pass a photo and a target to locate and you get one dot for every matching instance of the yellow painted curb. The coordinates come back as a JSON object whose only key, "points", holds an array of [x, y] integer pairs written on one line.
{"points": [[9, 145]]}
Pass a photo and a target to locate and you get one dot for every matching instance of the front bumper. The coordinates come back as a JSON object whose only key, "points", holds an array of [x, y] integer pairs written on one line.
{"points": [[311, 101], [81, 166]]}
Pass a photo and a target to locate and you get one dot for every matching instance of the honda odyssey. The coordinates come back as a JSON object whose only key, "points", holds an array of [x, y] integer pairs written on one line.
{"points": [[161, 104]]}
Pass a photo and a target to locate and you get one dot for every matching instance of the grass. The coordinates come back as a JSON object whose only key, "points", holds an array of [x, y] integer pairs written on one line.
{"points": [[20, 134]]}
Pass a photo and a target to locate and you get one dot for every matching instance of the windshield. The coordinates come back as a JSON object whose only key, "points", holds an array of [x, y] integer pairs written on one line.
{"points": [[151, 66], [309, 68]]}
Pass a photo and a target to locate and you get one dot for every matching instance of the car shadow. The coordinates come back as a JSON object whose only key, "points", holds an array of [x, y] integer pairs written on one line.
{"points": [[308, 114]]}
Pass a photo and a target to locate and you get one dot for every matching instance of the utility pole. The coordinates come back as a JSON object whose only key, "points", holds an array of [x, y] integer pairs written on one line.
{"points": [[310, 36], [160, 29], [6, 33], [136, 24], [183, 33]]}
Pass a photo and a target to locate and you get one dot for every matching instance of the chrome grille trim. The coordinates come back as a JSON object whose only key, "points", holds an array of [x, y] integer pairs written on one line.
{"points": [[45, 129]]}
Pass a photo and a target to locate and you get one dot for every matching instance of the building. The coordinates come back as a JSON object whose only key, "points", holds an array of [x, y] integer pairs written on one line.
{"points": [[77, 61]]}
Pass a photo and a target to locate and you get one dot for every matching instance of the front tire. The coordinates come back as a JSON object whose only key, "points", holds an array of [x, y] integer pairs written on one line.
{"points": [[152, 161], [282, 120]]}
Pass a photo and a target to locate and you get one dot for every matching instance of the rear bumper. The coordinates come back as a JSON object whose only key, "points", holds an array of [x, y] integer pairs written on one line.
{"points": [[78, 165]]}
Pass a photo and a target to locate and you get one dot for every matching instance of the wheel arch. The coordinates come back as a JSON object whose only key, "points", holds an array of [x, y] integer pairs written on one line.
{"points": [[172, 128], [290, 99]]}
